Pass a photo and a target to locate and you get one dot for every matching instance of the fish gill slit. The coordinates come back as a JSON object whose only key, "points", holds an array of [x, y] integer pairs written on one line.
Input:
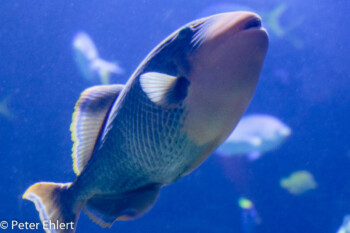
{"points": [[200, 34]]}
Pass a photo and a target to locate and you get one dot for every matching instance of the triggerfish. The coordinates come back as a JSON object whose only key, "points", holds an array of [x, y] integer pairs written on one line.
{"points": [[254, 135], [179, 105]]}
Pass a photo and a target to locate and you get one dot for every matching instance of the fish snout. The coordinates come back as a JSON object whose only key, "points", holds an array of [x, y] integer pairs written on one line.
{"points": [[243, 20], [234, 22]]}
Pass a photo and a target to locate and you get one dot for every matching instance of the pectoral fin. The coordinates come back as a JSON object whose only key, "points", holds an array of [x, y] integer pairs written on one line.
{"points": [[164, 89]]}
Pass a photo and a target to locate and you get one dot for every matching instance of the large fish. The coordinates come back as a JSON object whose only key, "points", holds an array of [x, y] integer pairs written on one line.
{"points": [[179, 105]]}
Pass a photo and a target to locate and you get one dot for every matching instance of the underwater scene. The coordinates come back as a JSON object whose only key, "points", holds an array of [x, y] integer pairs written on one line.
{"points": [[175, 116]]}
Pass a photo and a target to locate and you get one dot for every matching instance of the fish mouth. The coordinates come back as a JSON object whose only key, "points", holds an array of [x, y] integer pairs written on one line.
{"points": [[224, 27], [253, 23], [230, 23]]}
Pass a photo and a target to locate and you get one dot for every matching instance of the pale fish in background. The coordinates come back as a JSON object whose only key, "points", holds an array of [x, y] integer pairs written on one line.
{"points": [[91, 66], [272, 20], [255, 135], [298, 182], [4, 110], [250, 217], [345, 227], [179, 105]]}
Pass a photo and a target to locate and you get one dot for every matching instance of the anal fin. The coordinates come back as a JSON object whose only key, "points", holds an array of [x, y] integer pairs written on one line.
{"points": [[105, 209]]}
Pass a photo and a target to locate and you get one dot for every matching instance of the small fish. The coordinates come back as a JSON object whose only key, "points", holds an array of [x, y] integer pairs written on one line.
{"points": [[90, 65], [4, 110], [273, 19], [255, 135], [181, 103], [250, 217], [345, 227], [299, 182]]}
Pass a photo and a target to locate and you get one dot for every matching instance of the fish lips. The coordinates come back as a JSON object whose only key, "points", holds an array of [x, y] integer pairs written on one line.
{"points": [[226, 27]]}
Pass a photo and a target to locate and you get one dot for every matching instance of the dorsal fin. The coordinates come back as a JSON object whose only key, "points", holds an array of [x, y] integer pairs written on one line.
{"points": [[88, 117]]}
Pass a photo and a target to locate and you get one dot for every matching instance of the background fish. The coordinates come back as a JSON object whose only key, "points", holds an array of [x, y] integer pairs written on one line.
{"points": [[255, 135], [345, 227], [91, 66], [4, 110], [250, 216], [298, 182], [179, 105]]}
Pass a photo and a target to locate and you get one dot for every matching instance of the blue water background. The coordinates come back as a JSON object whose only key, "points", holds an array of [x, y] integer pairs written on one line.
{"points": [[308, 88]]}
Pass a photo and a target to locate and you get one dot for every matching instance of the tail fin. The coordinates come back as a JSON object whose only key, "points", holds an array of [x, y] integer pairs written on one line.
{"points": [[56, 212]]}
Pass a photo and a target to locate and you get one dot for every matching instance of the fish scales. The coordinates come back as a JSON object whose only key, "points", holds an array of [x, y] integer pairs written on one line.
{"points": [[134, 157], [149, 136]]}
